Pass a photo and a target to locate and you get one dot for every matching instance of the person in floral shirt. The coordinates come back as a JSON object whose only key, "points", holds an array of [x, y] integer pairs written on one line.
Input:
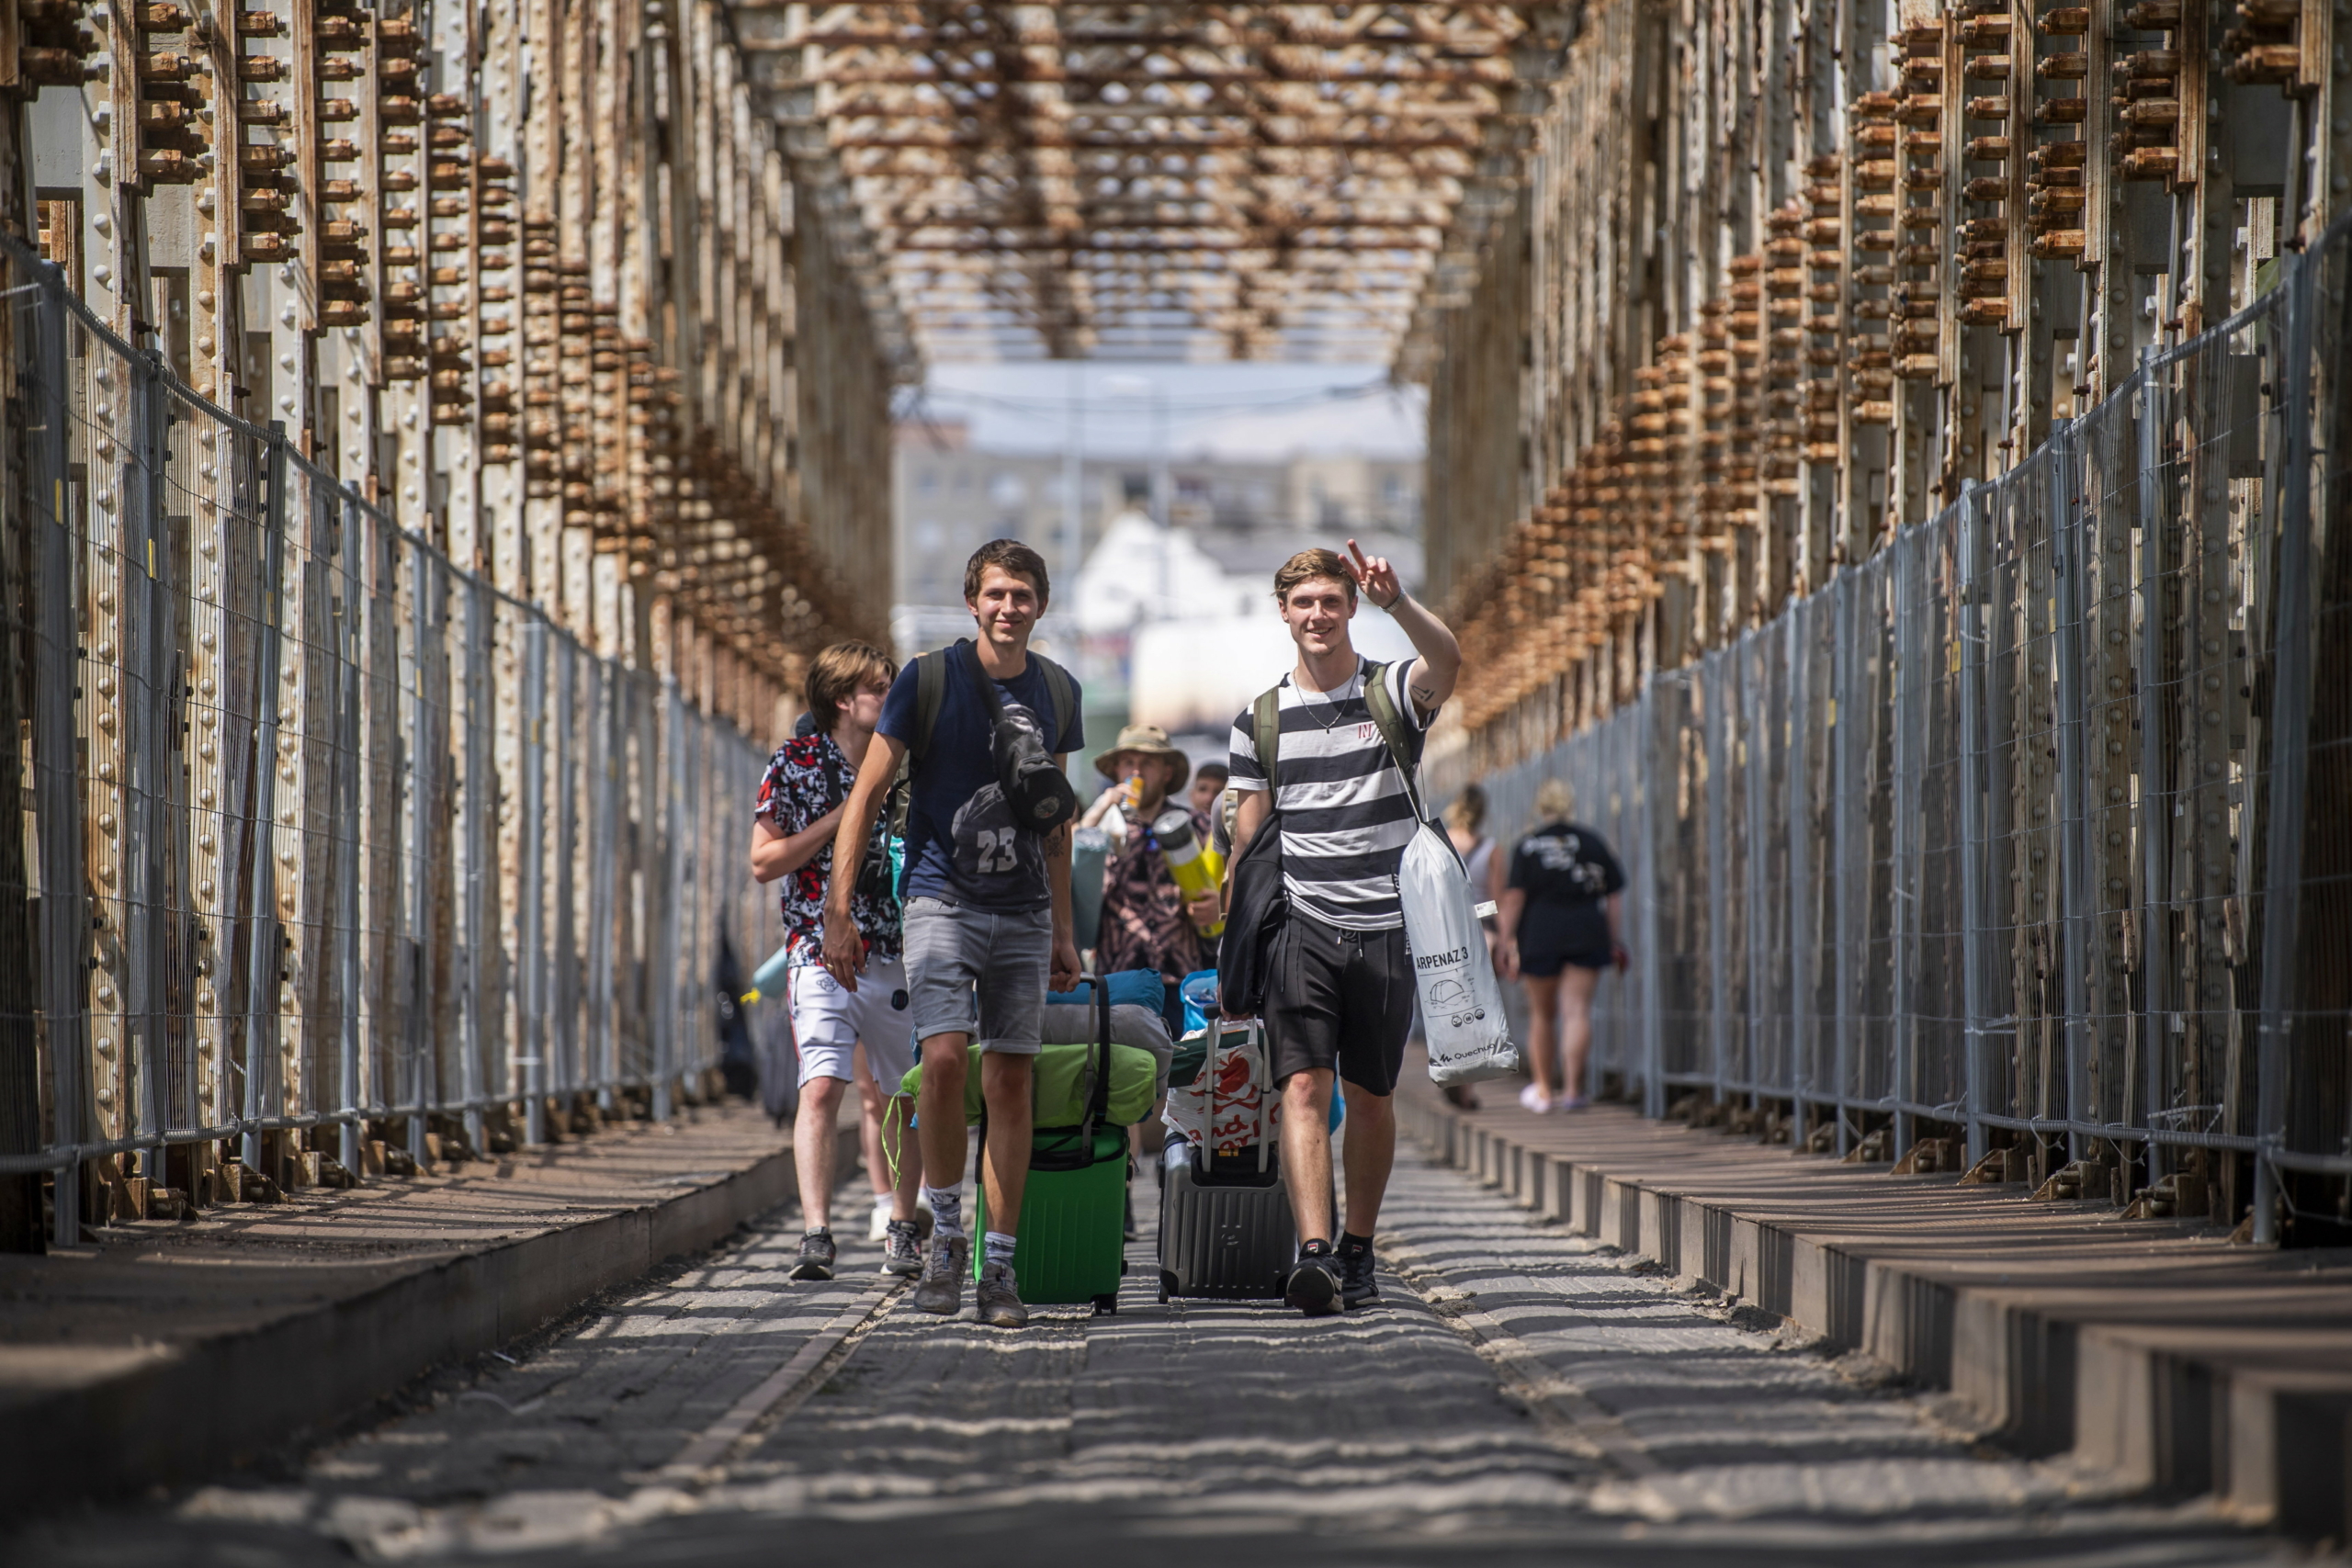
{"points": [[1147, 921], [792, 841]]}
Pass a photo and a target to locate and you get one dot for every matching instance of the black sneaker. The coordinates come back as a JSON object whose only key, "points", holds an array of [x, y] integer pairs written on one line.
{"points": [[1357, 1287], [1314, 1286], [815, 1256]]}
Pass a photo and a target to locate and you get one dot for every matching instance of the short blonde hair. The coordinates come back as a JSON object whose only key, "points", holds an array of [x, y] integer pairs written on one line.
{"points": [[1307, 565], [835, 675], [1555, 800]]}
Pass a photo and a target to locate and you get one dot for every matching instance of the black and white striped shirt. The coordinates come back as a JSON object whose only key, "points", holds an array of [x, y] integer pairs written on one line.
{"points": [[1345, 816]]}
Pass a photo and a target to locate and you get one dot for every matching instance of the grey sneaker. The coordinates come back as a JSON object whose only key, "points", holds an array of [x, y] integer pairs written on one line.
{"points": [[941, 1290], [815, 1256], [901, 1249], [999, 1299]]}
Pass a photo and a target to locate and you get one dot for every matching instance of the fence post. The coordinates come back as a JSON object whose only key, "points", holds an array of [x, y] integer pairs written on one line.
{"points": [[1845, 733], [357, 557], [57, 783], [2156, 957], [2290, 754], [2067, 572], [144, 763], [530, 914], [264, 948], [1974, 849], [672, 806], [1902, 873], [1718, 741], [603, 1056], [561, 1074], [1648, 769], [1797, 659], [477, 864]]}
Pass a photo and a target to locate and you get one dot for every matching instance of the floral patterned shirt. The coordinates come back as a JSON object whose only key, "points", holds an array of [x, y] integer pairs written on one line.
{"points": [[1143, 923], [797, 789]]}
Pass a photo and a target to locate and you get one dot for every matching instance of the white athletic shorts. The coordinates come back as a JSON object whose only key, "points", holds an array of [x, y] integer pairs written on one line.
{"points": [[828, 1022]]}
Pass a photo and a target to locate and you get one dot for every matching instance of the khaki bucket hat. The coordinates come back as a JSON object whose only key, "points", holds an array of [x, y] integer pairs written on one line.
{"points": [[1144, 741]]}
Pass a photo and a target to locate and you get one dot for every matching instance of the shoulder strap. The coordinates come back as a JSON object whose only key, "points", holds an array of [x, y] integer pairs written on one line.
{"points": [[989, 703], [1392, 730], [931, 687], [1266, 730], [1064, 693]]}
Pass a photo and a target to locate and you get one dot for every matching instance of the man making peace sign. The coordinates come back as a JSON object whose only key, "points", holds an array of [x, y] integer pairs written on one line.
{"points": [[1339, 988]]}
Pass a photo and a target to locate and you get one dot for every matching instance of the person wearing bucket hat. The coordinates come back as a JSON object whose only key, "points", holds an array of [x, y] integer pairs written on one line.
{"points": [[1149, 922]]}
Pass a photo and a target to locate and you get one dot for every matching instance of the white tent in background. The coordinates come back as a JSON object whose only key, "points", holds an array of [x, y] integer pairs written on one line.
{"points": [[1194, 675], [1142, 571]]}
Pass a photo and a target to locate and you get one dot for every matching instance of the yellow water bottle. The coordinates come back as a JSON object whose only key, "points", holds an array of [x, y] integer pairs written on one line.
{"points": [[1195, 869]]}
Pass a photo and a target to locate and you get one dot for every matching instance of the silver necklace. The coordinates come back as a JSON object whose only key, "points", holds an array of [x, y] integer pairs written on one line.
{"points": [[1326, 725]]}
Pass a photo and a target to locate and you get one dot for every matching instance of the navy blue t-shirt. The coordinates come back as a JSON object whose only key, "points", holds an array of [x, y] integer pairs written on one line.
{"points": [[962, 843]]}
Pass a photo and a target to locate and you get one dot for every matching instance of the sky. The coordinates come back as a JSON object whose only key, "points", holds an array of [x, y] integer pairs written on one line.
{"points": [[1222, 411]]}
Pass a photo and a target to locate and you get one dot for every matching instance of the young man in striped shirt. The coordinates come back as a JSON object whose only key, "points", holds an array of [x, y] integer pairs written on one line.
{"points": [[1339, 985]]}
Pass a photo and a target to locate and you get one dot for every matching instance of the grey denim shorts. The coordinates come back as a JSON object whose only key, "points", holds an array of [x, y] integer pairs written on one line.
{"points": [[979, 972]]}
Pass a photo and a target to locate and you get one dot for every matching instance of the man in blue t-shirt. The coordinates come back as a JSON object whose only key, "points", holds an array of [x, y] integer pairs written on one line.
{"points": [[988, 918]]}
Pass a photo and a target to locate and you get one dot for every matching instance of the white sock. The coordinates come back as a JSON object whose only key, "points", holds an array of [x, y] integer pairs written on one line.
{"points": [[1000, 1248]]}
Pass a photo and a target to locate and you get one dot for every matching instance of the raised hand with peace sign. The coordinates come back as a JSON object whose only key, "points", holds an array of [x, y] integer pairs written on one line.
{"points": [[1375, 579]]}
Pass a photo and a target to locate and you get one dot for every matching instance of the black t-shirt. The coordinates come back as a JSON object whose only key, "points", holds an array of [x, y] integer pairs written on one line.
{"points": [[1566, 871]]}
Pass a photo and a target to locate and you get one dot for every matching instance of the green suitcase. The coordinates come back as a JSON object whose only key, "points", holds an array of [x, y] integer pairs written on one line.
{"points": [[1073, 1222], [1073, 1242]]}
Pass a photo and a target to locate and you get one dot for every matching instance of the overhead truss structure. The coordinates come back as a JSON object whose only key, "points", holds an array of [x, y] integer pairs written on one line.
{"points": [[1161, 181]]}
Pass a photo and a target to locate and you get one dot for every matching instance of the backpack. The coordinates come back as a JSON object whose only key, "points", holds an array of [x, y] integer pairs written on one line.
{"points": [[931, 690], [1041, 798]]}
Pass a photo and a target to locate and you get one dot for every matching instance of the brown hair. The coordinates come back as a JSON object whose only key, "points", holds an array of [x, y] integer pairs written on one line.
{"points": [[835, 675], [1309, 564], [1012, 556]]}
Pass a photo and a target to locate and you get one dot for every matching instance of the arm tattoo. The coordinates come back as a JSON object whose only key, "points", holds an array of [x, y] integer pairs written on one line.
{"points": [[1425, 695]]}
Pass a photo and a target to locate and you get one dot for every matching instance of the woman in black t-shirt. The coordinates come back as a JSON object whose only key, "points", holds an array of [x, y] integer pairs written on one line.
{"points": [[1559, 932]]}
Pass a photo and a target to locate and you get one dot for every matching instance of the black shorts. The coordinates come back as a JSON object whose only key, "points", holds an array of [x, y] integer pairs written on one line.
{"points": [[1543, 964], [1339, 999]]}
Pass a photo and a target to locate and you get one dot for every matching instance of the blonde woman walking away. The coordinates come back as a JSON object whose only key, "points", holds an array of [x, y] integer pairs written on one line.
{"points": [[1559, 920]]}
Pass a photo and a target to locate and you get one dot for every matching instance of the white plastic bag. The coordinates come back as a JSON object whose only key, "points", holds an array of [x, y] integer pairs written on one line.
{"points": [[1462, 1003]]}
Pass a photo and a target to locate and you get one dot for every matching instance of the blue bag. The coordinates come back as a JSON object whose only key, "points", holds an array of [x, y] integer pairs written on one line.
{"points": [[1129, 987], [1199, 991]]}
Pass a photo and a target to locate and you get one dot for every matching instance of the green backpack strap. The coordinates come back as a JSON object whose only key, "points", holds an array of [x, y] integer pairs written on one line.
{"points": [[1392, 729], [931, 687], [1266, 731], [1064, 693]]}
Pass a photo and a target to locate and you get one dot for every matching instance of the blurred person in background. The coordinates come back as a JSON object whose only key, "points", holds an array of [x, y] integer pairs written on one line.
{"points": [[1208, 788], [1148, 920], [844, 1036], [1559, 924], [1465, 824]]}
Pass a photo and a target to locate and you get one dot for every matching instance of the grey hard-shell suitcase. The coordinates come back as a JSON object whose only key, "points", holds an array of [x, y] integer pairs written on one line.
{"points": [[1225, 1231]]}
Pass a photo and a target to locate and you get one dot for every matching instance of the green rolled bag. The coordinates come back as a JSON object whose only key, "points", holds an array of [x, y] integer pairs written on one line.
{"points": [[1064, 1075]]}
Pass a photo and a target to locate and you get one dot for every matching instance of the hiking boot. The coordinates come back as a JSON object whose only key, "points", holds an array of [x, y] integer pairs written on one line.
{"points": [[998, 1299], [1314, 1286], [941, 1289], [815, 1256], [901, 1249], [1357, 1286]]}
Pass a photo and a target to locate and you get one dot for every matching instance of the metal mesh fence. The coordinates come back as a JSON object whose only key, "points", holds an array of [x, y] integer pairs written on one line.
{"points": [[319, 829], [2034, 827]]}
